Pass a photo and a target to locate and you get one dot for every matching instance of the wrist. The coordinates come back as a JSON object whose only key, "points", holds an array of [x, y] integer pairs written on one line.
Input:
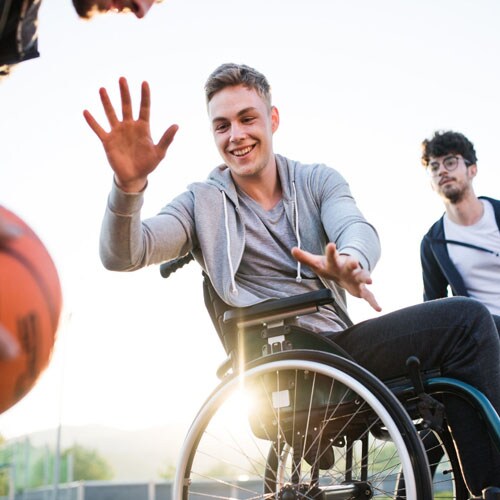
{"points": [[135, 186]]}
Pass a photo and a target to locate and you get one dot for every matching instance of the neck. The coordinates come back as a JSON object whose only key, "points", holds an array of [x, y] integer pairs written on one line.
{"points": [[466, 212], [264, 188]]}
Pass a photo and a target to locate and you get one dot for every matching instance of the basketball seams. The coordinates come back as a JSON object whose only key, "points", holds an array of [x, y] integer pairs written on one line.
{"points": [[30, 307], [41, 282]]}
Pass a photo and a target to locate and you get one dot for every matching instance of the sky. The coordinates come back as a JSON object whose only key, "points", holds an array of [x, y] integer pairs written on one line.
{"points": [[359, 84]]}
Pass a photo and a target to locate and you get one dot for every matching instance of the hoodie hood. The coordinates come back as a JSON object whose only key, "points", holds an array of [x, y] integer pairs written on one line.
{"points": [[316, 194], [221, 178]]}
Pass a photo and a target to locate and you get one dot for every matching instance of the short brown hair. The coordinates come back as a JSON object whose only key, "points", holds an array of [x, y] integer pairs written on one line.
{"points": [[230, 75]]}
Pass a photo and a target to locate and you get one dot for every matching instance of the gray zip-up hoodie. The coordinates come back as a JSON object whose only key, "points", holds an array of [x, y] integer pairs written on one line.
{"points": [[205, 220]]}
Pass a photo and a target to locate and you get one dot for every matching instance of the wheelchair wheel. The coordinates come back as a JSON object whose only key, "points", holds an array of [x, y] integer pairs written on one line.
{"points": [[448, 482], [302, 425]]}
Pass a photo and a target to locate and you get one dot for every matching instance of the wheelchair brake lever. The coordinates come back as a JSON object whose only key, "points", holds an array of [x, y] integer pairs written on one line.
{"points": [[430, 409], [413, 365]]}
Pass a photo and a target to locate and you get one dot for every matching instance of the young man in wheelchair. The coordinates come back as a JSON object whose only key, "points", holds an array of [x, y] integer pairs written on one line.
{"points": [[263, 226]]}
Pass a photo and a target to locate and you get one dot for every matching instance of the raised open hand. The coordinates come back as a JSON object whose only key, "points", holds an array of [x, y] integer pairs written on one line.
{"points": [[343, 269], [129, 147]]}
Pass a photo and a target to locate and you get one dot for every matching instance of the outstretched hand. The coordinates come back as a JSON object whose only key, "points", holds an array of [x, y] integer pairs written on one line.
{"points": [[129, 147], [343, 269]]}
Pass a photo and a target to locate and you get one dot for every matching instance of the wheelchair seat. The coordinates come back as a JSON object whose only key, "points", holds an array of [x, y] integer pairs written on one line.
{"points": [[332, 430]]}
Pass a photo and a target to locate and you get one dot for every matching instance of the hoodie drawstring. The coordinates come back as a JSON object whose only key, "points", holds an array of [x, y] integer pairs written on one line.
{"points": [[228, 244], [298, 279]]}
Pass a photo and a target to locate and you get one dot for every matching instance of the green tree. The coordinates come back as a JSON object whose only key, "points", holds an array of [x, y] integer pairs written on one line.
{"points": [[168, 472], [87, 464], [4, 470]]}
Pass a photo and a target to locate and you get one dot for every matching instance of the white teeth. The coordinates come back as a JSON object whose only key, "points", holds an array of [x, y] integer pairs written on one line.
{"points": [[241, 152]]}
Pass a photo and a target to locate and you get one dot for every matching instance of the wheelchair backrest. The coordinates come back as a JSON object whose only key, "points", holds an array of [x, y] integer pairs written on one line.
{"points": [[249, 331]]}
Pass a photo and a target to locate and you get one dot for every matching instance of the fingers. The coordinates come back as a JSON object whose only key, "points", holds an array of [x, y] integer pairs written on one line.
{"points": [[339, 263], [126, 99], [145, 102], [363, 278], [307, 258], [335, 259], [167, 138], [98, 130], [108, 107], [303, 256], [345, 270], [370, 298], [144, 114], [127, 113], [109, 110], [331, 252], [360, 275]]}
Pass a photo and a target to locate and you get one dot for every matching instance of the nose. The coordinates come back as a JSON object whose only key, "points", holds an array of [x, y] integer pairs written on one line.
{"points": [[141, 7], [441, 170], [237, 133]]}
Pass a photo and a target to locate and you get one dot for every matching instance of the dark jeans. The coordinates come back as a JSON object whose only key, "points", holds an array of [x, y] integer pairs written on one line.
{"points": [[431, 442], [457, 335]]}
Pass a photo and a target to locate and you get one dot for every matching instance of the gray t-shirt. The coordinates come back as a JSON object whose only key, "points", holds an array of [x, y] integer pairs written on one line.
{"points": [[268, 268]]}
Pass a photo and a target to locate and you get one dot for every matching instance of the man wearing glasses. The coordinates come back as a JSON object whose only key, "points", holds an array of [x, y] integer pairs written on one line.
{"points": [[462, 249]]}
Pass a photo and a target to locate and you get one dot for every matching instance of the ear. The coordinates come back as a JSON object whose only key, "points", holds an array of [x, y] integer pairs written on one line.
{"points": [[275, 118], [472, 171]]}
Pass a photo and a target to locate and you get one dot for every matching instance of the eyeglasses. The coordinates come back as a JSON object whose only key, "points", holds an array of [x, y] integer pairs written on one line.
{"points": [[450, 163]]}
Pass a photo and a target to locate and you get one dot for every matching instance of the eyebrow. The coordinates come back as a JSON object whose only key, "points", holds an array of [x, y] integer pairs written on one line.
{"points": [[240, 113], [449, 155]]}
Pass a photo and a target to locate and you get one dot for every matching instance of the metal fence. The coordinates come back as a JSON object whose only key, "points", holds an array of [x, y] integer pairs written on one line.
{"points": [[162, 490], [110, 490]]}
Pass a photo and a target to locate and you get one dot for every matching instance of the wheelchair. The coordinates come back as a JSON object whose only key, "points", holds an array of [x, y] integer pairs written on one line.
{"points": [[294, 417]]}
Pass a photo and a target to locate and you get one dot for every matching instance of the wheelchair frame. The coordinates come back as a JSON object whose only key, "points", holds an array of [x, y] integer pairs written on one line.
{"points": [[263, 346]]}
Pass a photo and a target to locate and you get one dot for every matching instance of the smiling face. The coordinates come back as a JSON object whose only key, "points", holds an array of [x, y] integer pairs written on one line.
{"points": [[243, 125], [87, 8]]}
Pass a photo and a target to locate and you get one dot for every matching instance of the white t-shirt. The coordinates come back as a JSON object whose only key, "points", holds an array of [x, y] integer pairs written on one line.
{"points": [[480, 270]]}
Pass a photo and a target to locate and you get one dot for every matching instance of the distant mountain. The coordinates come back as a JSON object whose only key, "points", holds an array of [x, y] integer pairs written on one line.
{"points": [[138, 455]]}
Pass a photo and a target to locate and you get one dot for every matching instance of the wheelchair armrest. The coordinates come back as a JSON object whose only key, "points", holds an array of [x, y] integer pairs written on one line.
{"points": [[279, 309], [224, 367]]}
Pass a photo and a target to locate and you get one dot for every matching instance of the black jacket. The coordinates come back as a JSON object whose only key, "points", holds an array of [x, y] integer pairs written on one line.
{"points": [[18, 32], [437, 269]]}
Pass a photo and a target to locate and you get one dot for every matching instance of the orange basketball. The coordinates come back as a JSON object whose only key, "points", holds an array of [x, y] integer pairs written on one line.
{"points": [[30, 306]]}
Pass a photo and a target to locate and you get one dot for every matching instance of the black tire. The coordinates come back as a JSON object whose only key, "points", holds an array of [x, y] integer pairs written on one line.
{"points": [[318, 433]]}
